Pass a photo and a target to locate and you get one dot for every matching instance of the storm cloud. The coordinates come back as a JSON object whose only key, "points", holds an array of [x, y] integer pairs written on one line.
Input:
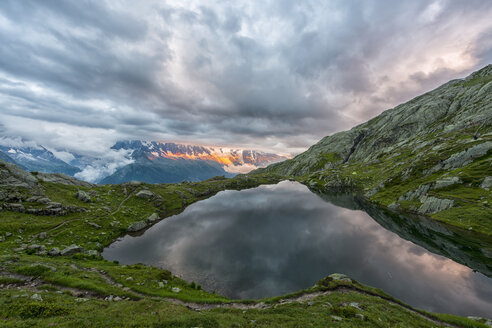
{"points": [[277, 75]]}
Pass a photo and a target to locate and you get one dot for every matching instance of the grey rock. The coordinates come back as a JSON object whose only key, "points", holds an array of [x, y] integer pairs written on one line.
{"points": [[340, 277], [83, 196], [55, 251], [463, 158], [42, 235], [72, 249], [417, 193], [13, 176], [175, 289], [394, 206], [36, 297], [63, 179], [44, 200], [152, 218], [95, 225], [92, 252], [336, 318], [487, 183], [446, 181], [432, 205], [15, 207], [144, 194], [137, 226]]}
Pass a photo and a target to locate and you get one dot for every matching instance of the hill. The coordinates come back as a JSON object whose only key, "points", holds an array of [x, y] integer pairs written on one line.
{"points": [[431, 156]]}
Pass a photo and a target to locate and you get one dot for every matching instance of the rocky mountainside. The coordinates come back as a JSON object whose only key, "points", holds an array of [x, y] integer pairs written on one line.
{"points": [[165, 170], [431, 155], [36, 159]]}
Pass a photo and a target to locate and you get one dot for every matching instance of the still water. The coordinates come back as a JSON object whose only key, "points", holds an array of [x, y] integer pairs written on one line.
{"points": [[277, 239]]}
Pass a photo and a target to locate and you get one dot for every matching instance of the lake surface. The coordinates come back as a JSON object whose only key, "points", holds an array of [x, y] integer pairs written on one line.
{"points": [[277, 239]]}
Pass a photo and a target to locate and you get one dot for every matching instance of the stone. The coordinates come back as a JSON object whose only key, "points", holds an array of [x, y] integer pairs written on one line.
{"points": [[355, 305], [417, 193], [144, 194], [161, 284], [152, 218], [336, 318], [42, 235], [36, 297], [360, 316], [463, 158], [8, 234], [393, 206], [137, 226], [72, 249], [83, 196], [92, 252], [44, 200], [432, 205], [95, 225], [446, 181], [340, 277], [487, 183], [175, 289]]}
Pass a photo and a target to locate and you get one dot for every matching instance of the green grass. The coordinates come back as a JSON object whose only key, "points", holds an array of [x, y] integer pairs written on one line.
{"points": [[73, 287]]}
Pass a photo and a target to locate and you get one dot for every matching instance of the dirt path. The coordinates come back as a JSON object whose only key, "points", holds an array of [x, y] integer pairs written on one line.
{"points": [[123, 201], [52, 229], [32, 284], [302, 298]]}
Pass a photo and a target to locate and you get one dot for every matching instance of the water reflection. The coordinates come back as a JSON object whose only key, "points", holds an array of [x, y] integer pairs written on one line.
{"points": [[277, 239]]}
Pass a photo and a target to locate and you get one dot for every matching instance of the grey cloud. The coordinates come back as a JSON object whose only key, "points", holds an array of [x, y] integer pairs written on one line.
{"points": [[229, 72]]}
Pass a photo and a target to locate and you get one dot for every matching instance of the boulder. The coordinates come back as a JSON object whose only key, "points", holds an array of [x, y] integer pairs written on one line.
{"points": [[446, 181], [144, 194], [487, 183], [83, 196], [137, 226], [340, 277], [152, 218], [72, 249], [55, 251], [432, 205], [417, 193]]}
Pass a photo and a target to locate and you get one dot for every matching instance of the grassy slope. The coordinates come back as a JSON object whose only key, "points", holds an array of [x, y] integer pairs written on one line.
{"points": [[73, 287]]}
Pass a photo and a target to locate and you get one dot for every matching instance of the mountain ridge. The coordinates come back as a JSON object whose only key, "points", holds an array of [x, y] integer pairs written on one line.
{"points": [[430, 155]]}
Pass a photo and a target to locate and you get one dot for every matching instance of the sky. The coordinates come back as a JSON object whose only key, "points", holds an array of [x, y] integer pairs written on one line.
{"points": [[272, 75]]}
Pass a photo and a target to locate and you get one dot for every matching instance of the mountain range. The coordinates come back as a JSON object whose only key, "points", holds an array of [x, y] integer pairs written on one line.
{"points": [[145, 161]]}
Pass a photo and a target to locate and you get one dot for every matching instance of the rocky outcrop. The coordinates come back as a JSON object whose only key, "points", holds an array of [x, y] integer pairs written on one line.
{"points": [[72, 249], [487, 183], [463, 158], [144, 194], [446, 182], [433, 205], [137, 226], [83, 196], [13, 176], [154, 217], [63, 179], [417, 193]]}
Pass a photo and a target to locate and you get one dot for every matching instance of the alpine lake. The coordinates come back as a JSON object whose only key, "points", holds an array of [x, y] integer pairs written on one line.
{"points": [[277, 239]]}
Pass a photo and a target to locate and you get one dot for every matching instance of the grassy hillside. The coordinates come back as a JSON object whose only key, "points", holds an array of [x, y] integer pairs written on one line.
{"points": [[52, 228], [431, 156]]}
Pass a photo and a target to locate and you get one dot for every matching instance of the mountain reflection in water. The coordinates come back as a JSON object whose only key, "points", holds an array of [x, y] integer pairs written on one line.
{"points": [[277, 239]]}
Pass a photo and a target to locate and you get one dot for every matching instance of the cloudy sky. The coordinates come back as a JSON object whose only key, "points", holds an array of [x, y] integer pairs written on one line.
{"points": [[274, 75]]}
